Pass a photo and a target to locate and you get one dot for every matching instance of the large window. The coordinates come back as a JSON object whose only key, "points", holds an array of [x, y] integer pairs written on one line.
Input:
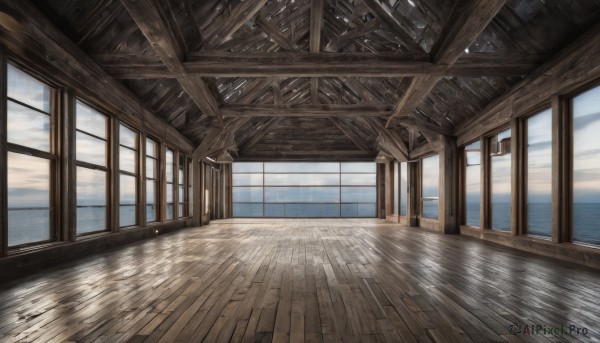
{"points": [[152, 183], [170, 175], [473, 184], [318, 189], [30, 159], [128, 172], [396, 183], [92, 171], [539, 174], [190, 192], [586, 167], [501, 180], [181, 209], [430, 186], [403, 188]]}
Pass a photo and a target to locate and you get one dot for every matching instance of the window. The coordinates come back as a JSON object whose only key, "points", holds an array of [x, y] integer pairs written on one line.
{"points": [[190, 193], [473, 184], [128, 171], [539, 174], [586, 167], [396, 190], [181, 208], [501, 180], [318, 189], [403, 188], [29, 159], [170, 174], [430, 186], [152, 183], [92, 171]]}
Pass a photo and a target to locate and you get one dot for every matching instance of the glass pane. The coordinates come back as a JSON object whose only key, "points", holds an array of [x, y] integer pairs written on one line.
{"points": [[396, 189], [539, 174], [302, 167], [127, 137], [302, 194], [358, 210], [151, 148], [181, 193], [430, 209], [501, 188], [431, 176], [127, 160], [359, 194], [359, 179], [90, 149], [180, 209], [170, 165], [247, 210], [312, 210], [586, 167], [151, 213], [244, 167], [91, 200], [90, 121], [247, 179], [359, 167], [127, 200], [301, 179], [473, 195], [274, 210], [28, 199], [151, 201], [247, 194], [27, 89], [151, 168], [169, 192], [27, 127], [170, 211], [403, 188]]}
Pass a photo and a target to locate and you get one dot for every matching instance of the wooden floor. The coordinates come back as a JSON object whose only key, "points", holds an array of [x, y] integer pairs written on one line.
{"points": [[303, 280]]}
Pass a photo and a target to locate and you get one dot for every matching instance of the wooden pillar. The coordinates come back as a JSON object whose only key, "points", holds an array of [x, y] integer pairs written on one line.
{"points": [[562, 194], [3, 156], [226, 182], [517, 177], [66, 157], [485, 186], [114, 176], [162, 151], [176, 185], [412, 196], [389, 187], [448, 196], [197, 191], [381, 191]]}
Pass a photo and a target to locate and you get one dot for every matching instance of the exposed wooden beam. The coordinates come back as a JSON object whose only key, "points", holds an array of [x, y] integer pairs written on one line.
{"points": [[259, 134], [469, 21], [563, 73], [243, 12], [151, 21], [322, 110], [276, 91], [42, 44], [423, 125], [276, 35], [349, 36], [316, 26], [216, 134], [285, 64], [383, 13], [395, 145], [356, 139]]}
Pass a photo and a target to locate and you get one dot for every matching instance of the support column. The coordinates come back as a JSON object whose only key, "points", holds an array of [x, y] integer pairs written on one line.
{"points": [[197, 191], [3, 157], [517, 178], [389, 187], [141, 194], [561, 171], [381, 191], [68, 180], [412, 196], [485, 185], [448, 197], [114, 175]]}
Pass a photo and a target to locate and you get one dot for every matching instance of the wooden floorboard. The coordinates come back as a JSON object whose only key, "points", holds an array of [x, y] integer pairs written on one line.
{"points": [[257, 280]]}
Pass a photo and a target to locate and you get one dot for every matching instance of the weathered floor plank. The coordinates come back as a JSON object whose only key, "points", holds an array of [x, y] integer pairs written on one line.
{"points": [[304, 280]]}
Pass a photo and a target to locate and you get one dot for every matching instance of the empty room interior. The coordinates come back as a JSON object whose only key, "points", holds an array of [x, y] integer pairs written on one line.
{"points": [[299, 171]]}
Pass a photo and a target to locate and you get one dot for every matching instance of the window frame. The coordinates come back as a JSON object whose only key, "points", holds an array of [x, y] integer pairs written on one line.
{"points": [[136, 174]]}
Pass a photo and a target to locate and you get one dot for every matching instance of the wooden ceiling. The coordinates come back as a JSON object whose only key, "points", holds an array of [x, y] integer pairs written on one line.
{"points": [[319, 79]]}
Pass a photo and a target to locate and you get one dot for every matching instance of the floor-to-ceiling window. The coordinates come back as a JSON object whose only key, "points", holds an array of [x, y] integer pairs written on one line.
{"points": [[182, 175], [473, 184], [152, 183], [586, 167], [92, 169], [396, 189], [189, 195], [29, 159], [303, 189], [128, 171], [170, 180], [430, 167], [539, 174], [501, 180]]}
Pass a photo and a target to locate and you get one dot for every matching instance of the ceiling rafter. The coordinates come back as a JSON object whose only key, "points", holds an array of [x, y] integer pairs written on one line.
{"points": [[285, 64], [243, 12], [316, 25], [151, 21], [259, 134], [393, 143], [216, 134], [308, 110], [347, 130], [467, 23]]}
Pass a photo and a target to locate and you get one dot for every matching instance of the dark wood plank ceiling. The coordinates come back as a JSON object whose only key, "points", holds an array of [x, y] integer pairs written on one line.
{"points": [[318, 79]]}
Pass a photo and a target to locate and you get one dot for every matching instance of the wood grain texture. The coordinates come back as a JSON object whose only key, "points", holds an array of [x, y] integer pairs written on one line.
{"points": [[301, 280]]}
